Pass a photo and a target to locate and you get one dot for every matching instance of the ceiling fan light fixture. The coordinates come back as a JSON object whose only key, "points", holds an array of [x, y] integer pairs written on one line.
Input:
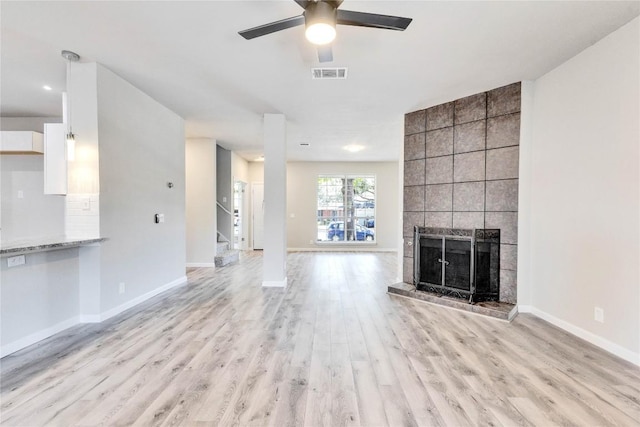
{"points": [[320, 19], [320, 33]]}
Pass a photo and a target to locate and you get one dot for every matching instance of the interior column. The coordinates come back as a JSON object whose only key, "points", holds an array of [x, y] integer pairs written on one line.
{"points": [[275, 201]]}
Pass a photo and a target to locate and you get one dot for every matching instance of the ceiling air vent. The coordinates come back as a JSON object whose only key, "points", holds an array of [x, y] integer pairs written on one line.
{"points": [[329, 73]]}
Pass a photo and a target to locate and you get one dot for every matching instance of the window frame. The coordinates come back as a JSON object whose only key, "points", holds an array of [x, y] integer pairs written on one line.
{"points": [[342, 219]]}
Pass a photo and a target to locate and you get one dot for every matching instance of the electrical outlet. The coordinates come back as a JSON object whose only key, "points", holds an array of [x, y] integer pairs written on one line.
{"points": [[15, 261], [121, 288], [598, 314], [20, 194], [311, 241]]}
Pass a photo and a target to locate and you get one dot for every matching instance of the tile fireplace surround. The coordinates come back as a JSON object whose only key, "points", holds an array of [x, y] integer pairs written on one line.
{"points": [[461, 171]]}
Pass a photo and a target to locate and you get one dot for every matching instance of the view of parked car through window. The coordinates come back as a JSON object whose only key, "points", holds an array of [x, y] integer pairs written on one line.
{"points": [[346, 208]]}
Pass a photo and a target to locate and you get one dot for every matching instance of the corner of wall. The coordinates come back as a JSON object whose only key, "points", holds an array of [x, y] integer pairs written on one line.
{"points": [[525, 294]]}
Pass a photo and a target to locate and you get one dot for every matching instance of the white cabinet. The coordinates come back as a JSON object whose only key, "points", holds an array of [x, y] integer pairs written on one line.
{"points": [[21, 142], [55, 158]]}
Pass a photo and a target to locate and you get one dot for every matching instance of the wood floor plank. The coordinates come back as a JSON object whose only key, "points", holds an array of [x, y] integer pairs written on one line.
{"points": [[333, 349], [344, 401], [370, 404]]}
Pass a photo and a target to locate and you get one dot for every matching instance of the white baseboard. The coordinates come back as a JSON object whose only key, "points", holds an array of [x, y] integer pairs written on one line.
{"points": [[92, 318], [38, 336], [275, 283], [142, 298], [201, 264], [594, 339], [525, 308]]}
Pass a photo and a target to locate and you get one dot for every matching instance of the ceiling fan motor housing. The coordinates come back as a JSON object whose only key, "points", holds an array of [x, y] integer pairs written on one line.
{"points": [[320, 12]]}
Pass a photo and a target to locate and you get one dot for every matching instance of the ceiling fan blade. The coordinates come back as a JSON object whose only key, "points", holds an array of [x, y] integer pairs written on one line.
{"points": [[303, 3], [325, 54], [272, 27], [372, 20]]}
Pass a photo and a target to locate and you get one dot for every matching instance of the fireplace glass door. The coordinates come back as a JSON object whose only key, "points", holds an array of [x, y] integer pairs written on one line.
{"points": [[457, 270], [430, 266], [446, 262], [457, 262]]}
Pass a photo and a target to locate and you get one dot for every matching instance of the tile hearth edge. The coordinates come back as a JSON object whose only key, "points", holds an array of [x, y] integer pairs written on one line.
{"points": [[497, 310]]}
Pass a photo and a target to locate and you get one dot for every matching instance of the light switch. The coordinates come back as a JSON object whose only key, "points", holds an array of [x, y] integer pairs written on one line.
{"points": [[20, 194], [224, 199]]}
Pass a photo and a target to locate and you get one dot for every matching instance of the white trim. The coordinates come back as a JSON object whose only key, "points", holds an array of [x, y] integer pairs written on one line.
{"points": [[590, 337], [525, 308], [275, 283], [92, 318], [89, 318], [38, 336], [201, 264], [342, 249], [131, 303]]}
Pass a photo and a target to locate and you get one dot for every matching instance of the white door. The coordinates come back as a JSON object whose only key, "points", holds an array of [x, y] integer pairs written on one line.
{"points": [[257, 206]]}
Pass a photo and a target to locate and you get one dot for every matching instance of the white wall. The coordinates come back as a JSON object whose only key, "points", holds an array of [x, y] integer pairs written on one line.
{"points": [[36, 215], [128, 148], [256, 172], [302, 185], [84, 172], [200, 190], [584, 240], [274, 263], [142, 148], [34, 124], [39, 298], [239, 168]]}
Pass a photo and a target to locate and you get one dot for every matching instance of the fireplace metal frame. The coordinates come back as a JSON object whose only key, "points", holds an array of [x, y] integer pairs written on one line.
{"points": [[467, 235]]}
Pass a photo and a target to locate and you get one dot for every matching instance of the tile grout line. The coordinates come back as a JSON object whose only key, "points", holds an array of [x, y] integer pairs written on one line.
{"points": [[486, 126]]}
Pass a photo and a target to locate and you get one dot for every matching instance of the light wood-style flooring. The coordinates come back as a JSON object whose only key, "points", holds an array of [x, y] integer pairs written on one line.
{"points": [[332, 349]]}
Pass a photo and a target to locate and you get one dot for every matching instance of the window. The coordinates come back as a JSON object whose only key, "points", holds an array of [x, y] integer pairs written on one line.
{"points": [[346, 208]]}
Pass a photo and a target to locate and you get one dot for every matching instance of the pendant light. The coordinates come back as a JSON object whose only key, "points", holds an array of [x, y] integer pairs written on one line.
{"points": [[71, 137]]}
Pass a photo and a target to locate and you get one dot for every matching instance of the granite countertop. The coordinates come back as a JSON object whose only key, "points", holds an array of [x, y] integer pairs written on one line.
{"points": [[46, 244]]}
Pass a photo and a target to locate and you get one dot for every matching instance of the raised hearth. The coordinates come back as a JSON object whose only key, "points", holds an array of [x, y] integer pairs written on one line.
{"points": [[498, 310]]}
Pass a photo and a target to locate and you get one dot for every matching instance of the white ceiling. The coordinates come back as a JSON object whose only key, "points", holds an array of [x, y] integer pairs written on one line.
{"points": [[189, 57]]}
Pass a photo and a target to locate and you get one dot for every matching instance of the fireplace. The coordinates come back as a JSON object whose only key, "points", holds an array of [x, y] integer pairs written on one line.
{"points": [[459, 262]]}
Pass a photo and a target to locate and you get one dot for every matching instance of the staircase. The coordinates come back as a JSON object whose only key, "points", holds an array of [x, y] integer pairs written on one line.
{"points": [[224, 254]]}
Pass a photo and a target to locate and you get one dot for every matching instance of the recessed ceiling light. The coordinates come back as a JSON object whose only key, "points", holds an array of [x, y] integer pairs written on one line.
{"points": [[353, 148], [45, 87]]}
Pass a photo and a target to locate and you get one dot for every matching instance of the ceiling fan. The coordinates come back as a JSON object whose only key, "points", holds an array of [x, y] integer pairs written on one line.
{"points": [[320, 18]]}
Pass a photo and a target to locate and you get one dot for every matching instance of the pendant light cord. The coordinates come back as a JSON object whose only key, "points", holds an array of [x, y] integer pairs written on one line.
{"points": [[70, 128]]}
